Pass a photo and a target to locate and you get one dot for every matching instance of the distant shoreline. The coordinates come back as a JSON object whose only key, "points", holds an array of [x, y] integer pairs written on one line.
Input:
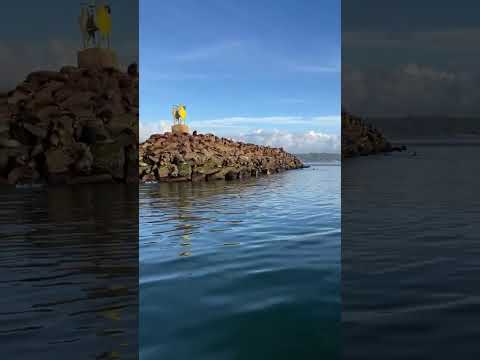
{"points": [[312, 157], [437, 142]]}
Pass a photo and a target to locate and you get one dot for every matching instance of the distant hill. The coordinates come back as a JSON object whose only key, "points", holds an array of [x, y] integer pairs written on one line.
{"points": [[312, 157], [427, 127]]}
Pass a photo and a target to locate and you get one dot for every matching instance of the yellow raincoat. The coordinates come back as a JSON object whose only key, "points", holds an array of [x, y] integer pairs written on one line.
{"points": [[182, 112], [104, 20]]}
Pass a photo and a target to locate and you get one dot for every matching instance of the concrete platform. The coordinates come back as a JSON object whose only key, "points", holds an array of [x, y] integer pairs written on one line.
{"points": [[180, 129], [97, 58]]}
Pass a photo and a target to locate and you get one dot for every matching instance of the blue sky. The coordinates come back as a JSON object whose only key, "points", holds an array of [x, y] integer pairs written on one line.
{"points": [[262, 71]]}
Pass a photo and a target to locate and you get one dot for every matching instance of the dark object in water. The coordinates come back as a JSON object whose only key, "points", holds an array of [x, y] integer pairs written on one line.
{"points": [[399, 148]]}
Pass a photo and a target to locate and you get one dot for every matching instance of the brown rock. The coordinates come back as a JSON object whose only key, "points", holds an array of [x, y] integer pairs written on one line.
{"points": [[46, 113], [17, 96], [109, 158], [45, 76], [68, 69], [78, 100], [132, 69], [85, 160], [58, 161], [9, 143], [60, 107], [61, 95], [15, 175], [37, 131], [4, 157]]}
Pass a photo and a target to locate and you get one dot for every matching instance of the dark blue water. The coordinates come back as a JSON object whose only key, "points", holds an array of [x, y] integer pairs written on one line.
{"points": [[411, 255], [69, 273], [243, 269]]}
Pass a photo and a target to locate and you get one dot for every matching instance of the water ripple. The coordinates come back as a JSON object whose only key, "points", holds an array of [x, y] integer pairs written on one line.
{"points": [[231, 266], [69, 272]]}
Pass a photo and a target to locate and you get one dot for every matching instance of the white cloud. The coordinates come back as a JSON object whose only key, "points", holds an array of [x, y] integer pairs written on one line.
{"points": [[427, 72], [434, 72], [297, 143], [410, 89], [149, 128], [242, 124]]}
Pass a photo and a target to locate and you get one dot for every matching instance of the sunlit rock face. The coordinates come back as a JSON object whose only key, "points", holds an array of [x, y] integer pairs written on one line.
{"points": [[69, 126], [360, 138], [198, 157]]}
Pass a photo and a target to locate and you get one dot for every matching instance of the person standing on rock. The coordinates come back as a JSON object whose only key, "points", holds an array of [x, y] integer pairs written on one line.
{"points": [[92, 27], [179, 114], [182, 111], [104, 22], [82, 20]]}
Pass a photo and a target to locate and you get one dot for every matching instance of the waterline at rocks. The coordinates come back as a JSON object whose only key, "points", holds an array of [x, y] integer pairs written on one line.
{"points": [[174, 157]]}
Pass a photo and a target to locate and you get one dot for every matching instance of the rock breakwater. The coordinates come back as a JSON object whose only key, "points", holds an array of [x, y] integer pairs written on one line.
{"points": [[361, 139], [173, 157], [75, 125]]}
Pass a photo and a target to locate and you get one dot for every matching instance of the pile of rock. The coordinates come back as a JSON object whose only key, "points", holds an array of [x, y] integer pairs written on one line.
{"points": [[76, 125], [359, 138], [175, 157]]}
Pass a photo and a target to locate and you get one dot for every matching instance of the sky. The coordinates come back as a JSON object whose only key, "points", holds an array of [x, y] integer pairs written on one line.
{"points": [[259, 71], [45, 35], [406, 58]]}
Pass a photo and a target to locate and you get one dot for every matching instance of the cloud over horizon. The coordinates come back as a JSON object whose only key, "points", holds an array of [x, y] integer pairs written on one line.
{"points": [[410, 89], [423, 70], [295, 142]]}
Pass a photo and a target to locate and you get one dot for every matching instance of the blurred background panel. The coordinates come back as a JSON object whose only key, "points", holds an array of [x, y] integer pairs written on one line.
{"points": [[410, 137], [68, 171], [69, 98]]}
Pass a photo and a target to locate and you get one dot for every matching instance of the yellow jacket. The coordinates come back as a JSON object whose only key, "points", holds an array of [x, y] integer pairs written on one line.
{"points": [[104, 20], [182, 112]]}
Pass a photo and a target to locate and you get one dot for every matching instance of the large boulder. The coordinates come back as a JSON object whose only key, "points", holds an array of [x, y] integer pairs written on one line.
{"points": [[58, 160], [183, 157], [109, 158], [55, 123]]}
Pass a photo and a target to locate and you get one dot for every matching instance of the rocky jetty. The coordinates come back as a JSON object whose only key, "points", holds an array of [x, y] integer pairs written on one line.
{"points": [[361, 139], [76, 125], [174, 157]]}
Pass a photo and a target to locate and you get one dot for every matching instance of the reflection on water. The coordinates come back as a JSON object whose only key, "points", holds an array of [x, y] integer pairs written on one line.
{"points": [[410, 255], [243, 269], [69, 265], [185, 207]]}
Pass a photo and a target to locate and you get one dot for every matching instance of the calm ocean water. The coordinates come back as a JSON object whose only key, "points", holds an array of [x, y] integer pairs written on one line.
{"points": [[411, 255], [242, 270], [69, 273]]}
